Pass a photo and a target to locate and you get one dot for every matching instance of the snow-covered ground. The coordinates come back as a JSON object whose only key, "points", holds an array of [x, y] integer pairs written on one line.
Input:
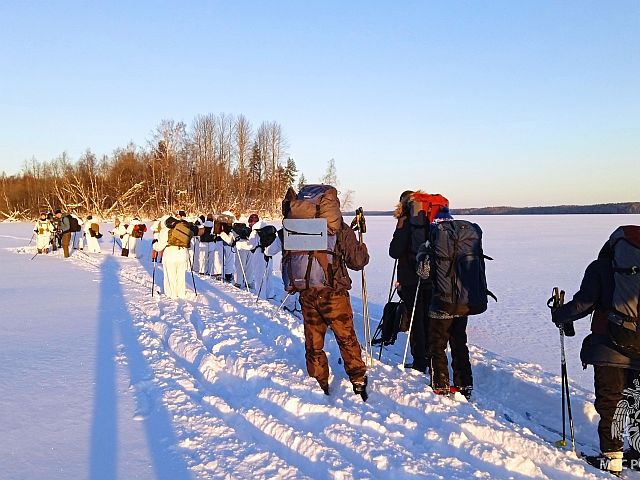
{"points": [[101, 380]]}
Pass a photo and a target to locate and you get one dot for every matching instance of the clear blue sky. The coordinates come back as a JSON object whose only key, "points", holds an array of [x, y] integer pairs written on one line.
{"points": [[488, 102]]}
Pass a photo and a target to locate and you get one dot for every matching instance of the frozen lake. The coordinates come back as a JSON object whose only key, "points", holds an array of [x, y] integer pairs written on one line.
{"points": [[102, 380]]}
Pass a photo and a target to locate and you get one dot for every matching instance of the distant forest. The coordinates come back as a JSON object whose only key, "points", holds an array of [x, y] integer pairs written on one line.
{"points": [[218, 163], [603, 208]]}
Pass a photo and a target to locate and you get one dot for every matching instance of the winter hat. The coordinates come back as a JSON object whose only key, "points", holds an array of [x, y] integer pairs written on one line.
{"points": [[258, 225], [89, 217], [170, 222], [202, 218], [230, 215], [442, 215], [182, 213], [253, 218], [58, 211]]}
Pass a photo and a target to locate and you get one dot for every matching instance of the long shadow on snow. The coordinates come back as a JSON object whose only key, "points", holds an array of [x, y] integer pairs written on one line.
{"points": [[114, 321]]}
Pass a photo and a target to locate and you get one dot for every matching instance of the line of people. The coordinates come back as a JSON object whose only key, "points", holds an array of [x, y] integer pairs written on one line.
{"points": [[216, 246], [66, 231]]}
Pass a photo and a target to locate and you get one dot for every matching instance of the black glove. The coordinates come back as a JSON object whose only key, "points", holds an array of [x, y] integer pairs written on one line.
{"points": [[423, 252], [563, 323]]}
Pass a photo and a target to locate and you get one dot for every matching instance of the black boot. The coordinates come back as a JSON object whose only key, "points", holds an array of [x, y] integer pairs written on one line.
{"points": [[609, 462], [360, 388], [324, 386]]}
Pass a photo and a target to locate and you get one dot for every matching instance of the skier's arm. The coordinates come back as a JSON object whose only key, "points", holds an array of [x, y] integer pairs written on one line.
{"points": [[401, 241], [251, 243], [274, 248], [226, 238], [585, 299], [163, 238], [354, 253]]}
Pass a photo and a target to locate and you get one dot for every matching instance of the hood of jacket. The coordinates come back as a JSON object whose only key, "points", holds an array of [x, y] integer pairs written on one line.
{"points": [[258, 225], [406, 198]]}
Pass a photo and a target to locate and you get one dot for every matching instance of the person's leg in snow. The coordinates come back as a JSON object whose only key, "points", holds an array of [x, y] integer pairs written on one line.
{"points": [[460, 363], [324, 308]]}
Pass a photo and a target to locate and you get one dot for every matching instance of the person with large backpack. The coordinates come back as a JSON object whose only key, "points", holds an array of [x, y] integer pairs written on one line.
{"points": [[204, 247], [173, 243], [76, 232], [453, 261], [224, 264], [92, 234], [609, 290], [263, 243], [241, 232], [322, 279], [414, 214], [135, 232], [65, 231]]}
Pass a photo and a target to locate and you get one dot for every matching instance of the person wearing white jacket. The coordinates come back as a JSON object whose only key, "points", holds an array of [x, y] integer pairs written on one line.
{"points": [[93, 246], [259, 266], [135, 231], [43, 230], [223, 254], [80, 234], [120, 230], [175, 261], [206, 248]]}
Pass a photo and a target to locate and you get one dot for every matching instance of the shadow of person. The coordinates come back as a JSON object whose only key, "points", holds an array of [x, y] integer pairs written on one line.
{"points": [[115, 327]]}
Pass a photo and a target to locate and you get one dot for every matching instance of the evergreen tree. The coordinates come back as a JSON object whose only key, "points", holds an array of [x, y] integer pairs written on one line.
{"points": [[290, 172], [302, 181], [331, 175]]}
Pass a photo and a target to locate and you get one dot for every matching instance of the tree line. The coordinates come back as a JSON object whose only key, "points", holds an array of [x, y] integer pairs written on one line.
{"points": [[218, 163]]}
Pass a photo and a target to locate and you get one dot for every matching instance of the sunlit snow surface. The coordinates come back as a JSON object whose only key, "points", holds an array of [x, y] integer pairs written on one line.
{"points": [[101, 380]]}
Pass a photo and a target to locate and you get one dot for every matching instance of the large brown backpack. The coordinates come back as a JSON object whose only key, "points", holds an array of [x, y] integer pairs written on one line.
{"points": [[180, 235], [316, 201]]}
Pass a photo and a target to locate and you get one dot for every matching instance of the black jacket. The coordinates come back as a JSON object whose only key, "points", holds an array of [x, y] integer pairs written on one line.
{"points": [[400, 249], [595, 296]]}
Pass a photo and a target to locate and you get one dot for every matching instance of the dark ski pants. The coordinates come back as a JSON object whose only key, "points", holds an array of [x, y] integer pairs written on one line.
{"points": [[66, 240], [454, 332], [609, 382], [418, 338], [324, 308]]}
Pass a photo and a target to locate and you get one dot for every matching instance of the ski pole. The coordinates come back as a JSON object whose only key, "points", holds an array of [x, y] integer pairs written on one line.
{"points": [[244, 276], [392, 292], [360, 225], [223, 266], [413, 312], [193, 278], [264, 274], [281, 305], [32, 235], [557, 300], [35, 255], [153, 278]]}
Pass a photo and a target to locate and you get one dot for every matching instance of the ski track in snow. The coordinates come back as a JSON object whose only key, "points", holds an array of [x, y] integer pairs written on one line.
{"points": [[230, 373]]}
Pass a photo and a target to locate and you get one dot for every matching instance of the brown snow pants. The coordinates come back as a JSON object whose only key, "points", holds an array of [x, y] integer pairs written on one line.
{"points": [[66, 240], [324, 308]]}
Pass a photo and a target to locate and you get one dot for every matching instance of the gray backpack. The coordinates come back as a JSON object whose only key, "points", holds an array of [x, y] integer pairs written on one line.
{"points": [[307, 254], [624, 316]]}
